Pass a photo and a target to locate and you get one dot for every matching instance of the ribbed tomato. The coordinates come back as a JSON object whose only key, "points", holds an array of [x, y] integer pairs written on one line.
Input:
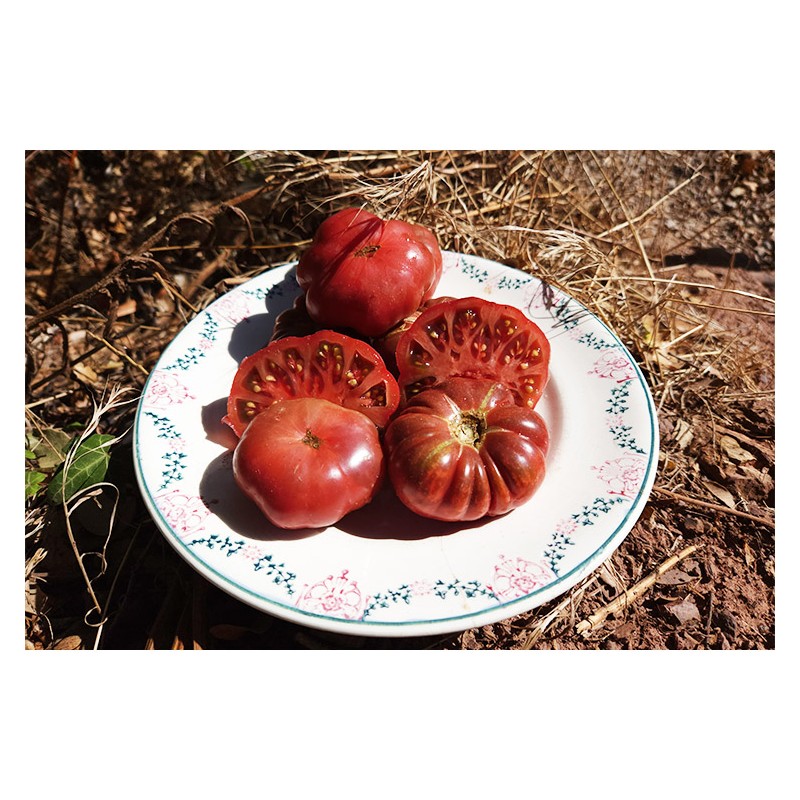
{"points": [[325, 364], [464, 450], [308, 462], [366, 273], [474, 338]]}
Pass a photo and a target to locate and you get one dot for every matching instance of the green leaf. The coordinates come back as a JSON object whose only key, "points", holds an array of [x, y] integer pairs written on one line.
{"points": [[33, 482], [52, 448], [87, 467]]}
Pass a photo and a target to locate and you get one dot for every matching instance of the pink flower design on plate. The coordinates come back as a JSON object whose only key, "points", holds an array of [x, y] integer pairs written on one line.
{"points": [[566, 527], [185, 513], [251, 552], [421, 588], [516, 577], [336, 596], [165, 390], [622, 475], [613, 364], [232, 307]]}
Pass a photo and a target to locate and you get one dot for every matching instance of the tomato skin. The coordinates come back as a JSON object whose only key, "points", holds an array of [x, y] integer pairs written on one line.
{"points": [[308, 462], [465, 450], [367, 274], [470, 337], [325, 364]]}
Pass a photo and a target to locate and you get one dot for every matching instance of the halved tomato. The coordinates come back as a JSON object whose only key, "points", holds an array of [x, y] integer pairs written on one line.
{"points": [[325, 364], [386, 344], [474, 338]]}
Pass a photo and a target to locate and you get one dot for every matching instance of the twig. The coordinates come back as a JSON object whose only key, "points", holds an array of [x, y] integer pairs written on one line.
{"points": [[547, 620], [628, 220], [630, 595], [714, 507], [60, 230], [691, 284], [118, 352]]}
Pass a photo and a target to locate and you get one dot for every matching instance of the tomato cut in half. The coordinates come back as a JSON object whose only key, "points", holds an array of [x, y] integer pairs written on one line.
{"points": [[386, 344], [308, 462], [474, 338], [325, 364], [464, 450]]}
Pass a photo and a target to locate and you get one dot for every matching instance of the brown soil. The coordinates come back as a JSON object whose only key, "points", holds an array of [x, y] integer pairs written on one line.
{"points": [[124, 247]]}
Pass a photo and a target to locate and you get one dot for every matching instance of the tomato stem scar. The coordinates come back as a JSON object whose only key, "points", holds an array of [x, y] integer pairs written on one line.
{"points": [[468, 427], [367, 250], [311, 440]]}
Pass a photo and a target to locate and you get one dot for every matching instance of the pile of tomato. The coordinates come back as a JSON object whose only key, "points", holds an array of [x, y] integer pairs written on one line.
{"points": [[369, 377]]}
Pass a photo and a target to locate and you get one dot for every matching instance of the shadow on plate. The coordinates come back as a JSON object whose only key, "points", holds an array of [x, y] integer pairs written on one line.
{"points": [[216, 430], [384, 518], [387, 518], [226, 501], [254, 332]]}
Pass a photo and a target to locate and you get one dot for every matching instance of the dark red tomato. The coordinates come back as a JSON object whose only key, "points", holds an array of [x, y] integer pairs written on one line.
{"points": [[428, 238], [365, 273], [474, 338], [326, 364], [294, 321], [307, 462], [464, 450]]}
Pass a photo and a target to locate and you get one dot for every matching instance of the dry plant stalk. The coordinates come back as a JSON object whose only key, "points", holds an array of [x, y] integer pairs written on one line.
{"points": [[631, 595]]}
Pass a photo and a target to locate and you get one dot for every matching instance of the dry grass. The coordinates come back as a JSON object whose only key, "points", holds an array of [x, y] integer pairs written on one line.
{"points": [[651, 242]]}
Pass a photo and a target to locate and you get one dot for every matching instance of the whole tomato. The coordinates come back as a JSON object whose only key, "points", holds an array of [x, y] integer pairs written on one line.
{"points": [[325, 364], [464, 450], [366, 273], [469, 337], [307, 462]]}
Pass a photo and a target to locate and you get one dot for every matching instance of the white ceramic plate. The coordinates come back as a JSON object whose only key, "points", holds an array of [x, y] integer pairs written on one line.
{"points": [[382, 570]]}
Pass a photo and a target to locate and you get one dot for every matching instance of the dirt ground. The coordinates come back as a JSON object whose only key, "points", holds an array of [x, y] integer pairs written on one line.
{"points": [[124, 247]]}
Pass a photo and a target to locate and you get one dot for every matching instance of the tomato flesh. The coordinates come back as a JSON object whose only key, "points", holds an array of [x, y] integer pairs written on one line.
{"points": [[325, 364], [465, 450], [307, 462], [474, 338], [386, 344], [366, 273]]}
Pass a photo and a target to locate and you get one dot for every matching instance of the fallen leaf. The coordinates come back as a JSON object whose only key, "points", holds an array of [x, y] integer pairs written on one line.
{"points": [[683, 434], [734, 450], [674, 577], [684, 610], [721, 493], [69, 643], [85, 372]]}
